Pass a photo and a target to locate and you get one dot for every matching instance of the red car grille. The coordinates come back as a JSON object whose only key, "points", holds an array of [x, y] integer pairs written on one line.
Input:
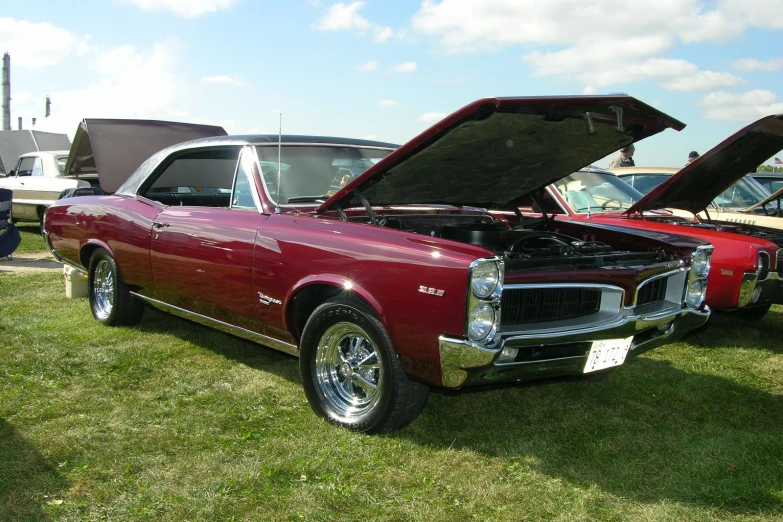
{"points": [[534, 305]]}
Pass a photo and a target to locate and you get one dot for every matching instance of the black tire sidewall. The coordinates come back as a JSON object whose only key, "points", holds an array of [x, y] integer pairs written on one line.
{"points": [[322, 318]]}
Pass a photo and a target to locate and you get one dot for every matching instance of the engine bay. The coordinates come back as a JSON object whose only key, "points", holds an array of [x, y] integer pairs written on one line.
{"points": [[528, 245]]}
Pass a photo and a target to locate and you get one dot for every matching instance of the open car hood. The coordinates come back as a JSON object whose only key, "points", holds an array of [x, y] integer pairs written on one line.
{"points": [[697, 184], [496, 150], [114, 149]]}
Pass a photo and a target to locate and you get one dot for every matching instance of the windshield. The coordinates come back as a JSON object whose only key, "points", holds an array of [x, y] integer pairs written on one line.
{"points": [[311, 173], [596, 192], [744, 193]]}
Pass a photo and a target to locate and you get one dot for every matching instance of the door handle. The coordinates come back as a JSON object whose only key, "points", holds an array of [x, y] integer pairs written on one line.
{"points": [[159, 224]]}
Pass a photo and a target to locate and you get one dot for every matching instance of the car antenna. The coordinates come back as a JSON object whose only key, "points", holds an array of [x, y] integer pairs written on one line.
{"points": [[279, 147]]}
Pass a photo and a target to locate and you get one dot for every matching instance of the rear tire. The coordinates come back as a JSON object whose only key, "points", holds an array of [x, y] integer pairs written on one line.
{"points": [[110, 300], [351, 375]]}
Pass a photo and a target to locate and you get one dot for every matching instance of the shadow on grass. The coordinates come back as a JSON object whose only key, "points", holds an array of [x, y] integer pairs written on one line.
{"points": [[27, 481], [242, 351], [723, 329], [650, 431]]}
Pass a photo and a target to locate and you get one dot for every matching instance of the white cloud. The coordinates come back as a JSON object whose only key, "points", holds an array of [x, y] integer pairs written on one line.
{"points": [[601, 42], [21, 97], [34, 45], [431, 117], [746, 107], [346, 17], [372, 65], [233, 80], [381, 34], [183, 8], [343, 17], [704, 81], [407, 67], [388, 103], [753, 65], [128, 83]]}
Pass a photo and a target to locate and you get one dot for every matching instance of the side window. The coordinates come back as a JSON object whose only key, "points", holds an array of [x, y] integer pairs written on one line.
{"points": [[37, 167], [242, 198], [202, 178], [25, 167]]}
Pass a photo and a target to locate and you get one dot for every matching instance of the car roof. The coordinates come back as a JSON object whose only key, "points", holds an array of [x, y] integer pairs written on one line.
{"points": [[44, 153]]}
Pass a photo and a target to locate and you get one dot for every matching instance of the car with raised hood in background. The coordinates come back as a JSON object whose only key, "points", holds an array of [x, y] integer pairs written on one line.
{"points": [[747, 265], [397, 279], [41, 178], [745, 199]]}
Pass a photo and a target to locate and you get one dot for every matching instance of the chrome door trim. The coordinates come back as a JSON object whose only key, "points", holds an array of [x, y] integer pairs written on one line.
{"points": [[220, 325]]}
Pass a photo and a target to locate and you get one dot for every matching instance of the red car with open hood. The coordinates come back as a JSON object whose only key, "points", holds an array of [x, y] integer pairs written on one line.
{"points": [[400, 279]]}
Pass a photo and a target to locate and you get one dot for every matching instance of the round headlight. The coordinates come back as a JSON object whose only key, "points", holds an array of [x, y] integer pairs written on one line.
{"points": [[484, 279], [701, 263], [482, 319], [696, 293]]}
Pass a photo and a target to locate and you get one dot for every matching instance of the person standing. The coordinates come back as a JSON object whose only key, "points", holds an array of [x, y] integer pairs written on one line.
{"points": [[624, 158], [692, 155]]}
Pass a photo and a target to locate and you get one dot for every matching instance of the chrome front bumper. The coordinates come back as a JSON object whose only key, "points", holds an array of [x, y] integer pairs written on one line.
{"points": [[753, 291], [464, 362]]}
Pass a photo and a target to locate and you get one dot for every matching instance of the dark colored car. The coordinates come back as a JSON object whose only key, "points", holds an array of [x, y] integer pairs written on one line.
{"points": [[400, 280]]}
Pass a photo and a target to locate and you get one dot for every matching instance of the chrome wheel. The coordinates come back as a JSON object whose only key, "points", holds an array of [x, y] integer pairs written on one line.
{"points": [[103, 289], [347, 370]]}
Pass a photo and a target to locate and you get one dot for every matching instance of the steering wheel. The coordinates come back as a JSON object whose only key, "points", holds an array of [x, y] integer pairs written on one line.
{"points": [[605, 203]]}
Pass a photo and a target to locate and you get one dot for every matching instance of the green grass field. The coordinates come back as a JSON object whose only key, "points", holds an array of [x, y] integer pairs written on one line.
{"points": [[173, 421]]}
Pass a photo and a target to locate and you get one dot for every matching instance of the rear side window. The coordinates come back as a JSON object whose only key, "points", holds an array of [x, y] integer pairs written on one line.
{"points": [[202, 178]]}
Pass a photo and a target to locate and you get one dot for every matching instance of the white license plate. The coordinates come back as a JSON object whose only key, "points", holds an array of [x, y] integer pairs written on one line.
{"points": [[607, 353]]}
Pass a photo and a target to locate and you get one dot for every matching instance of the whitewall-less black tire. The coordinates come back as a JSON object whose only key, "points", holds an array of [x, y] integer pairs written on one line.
{"points": [[350, 372], [110, 300]]}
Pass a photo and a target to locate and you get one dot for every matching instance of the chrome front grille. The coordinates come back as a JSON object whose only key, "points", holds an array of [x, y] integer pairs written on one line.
{"points": [[536, 305], [652, 292]]}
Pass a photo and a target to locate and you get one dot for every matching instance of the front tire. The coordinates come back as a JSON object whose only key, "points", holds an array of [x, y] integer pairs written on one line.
{"points": [[110, 300], [351, 375]]}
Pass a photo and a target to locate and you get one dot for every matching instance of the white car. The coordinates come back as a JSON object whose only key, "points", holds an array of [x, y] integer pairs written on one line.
{"points": [[37, 182]]}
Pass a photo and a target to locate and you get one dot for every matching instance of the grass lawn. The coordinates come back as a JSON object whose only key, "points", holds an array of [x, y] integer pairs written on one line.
{"points": [[173, 421]]}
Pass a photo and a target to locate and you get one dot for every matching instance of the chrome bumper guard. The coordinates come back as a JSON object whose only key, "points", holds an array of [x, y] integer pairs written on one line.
{"points": [[753, 291], [460, 357]]}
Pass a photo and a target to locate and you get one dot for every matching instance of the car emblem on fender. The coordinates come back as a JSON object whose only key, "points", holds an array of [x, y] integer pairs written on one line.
{"points": [[431, 291], [265, 299]]}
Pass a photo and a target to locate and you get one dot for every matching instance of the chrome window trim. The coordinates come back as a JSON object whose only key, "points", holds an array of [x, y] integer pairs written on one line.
{"points": [[244, 156], [222, 326]]}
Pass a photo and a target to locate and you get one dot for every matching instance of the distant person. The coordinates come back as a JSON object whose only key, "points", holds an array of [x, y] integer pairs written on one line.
{"points": [[624, 158], [692, 155]]}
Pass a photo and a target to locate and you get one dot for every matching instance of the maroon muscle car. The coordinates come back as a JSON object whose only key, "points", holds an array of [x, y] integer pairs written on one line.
{"points": [[400, 279]]}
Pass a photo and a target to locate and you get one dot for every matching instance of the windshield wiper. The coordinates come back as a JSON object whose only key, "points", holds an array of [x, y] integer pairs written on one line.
{"points": [[306, 199]]}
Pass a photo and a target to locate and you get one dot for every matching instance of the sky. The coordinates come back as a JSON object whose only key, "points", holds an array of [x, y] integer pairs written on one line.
{"points": [[388, 70]]}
